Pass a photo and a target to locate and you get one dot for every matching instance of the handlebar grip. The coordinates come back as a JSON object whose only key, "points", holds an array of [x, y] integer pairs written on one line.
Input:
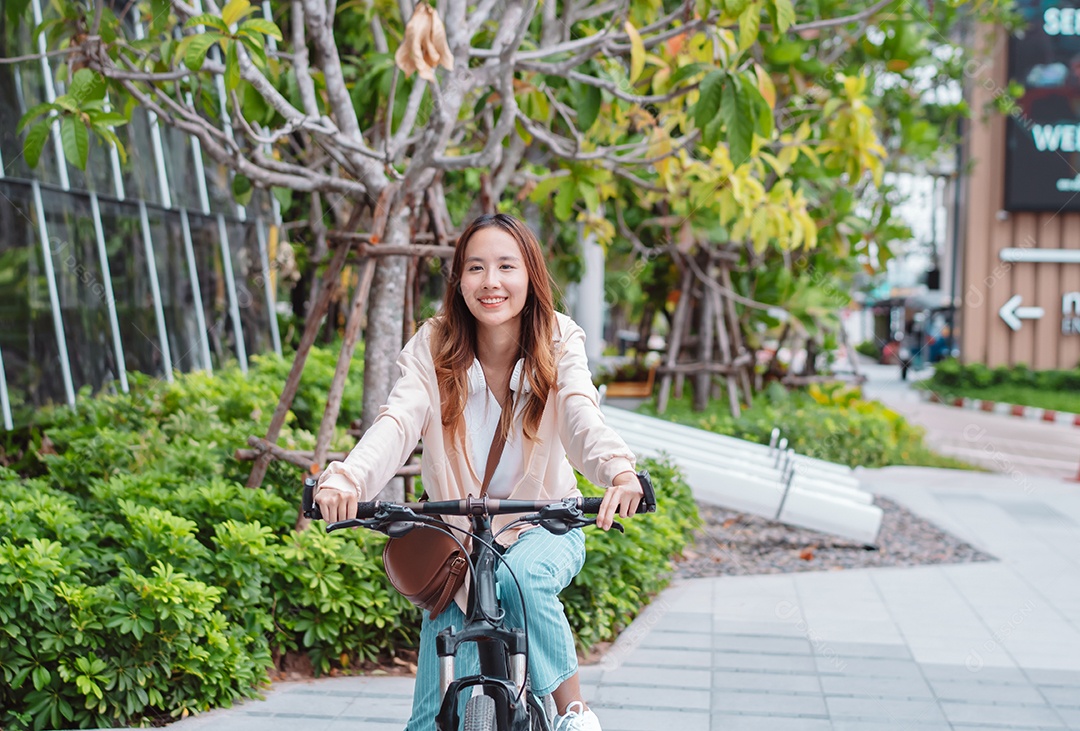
{"points": [[591, 505], [307, 504]]}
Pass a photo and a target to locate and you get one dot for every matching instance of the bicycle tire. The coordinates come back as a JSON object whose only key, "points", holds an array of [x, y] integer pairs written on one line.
{"points": [[480, 713]]}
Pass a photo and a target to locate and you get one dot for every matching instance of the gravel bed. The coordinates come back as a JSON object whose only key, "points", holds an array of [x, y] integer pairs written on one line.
{"points": [[736, 544]]}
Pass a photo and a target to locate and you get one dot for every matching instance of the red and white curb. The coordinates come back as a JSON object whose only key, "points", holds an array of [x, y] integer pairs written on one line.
{"points": [[1050, 416]]}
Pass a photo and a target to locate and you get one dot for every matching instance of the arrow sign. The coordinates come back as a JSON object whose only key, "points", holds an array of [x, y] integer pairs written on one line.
{"points": [[1012, 313]]}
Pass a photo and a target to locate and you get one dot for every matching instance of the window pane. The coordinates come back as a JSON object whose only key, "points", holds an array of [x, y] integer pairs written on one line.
{"points": [[180, 166], [219, 326], [140, 170], [22, 87], [27, 335], [130, 272], [80, 284], [177, 296], [250, 287]]}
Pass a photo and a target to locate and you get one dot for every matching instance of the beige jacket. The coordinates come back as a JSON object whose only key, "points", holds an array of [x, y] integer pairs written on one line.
{"points": [[572, 427]]}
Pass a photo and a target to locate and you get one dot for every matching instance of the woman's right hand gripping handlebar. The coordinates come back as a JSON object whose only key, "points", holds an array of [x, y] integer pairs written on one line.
{"points": [[336, 497]]}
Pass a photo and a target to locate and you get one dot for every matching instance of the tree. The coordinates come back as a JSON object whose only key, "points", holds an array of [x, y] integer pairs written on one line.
{"points": [[567, 98]]}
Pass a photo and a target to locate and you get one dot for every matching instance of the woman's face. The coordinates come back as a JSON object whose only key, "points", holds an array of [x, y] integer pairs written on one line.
{"points": [[494, 281]]}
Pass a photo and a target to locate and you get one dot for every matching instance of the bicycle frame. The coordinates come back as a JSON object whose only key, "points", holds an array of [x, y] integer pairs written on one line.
{"points": [[502, 650]]}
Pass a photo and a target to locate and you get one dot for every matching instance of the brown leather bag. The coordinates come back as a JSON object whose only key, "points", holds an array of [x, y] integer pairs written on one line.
{"points": [[426, 565]]}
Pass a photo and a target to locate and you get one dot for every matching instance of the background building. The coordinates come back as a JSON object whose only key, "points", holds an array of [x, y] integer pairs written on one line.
{"points": [[146, 265]]}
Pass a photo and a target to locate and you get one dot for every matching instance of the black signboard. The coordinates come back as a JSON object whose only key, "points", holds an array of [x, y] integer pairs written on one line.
{"points": [[1042, 168]]}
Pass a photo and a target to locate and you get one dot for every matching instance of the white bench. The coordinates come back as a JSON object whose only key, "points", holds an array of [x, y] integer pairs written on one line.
{"points": [[752, 478]]}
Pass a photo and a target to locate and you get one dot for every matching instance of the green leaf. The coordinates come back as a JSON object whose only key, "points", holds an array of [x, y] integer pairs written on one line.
{"points": [[254, 44], [111, 119], [232, 67], [784, 53], [76, 140], [784, 15], [685, 72], [87, 86], [565, 199], [710, 134], [637, 51], [235, 10], [590, 195], [15, 9], [261, 25], [197, 48], [207, 19], [588, 106], [159, 16], [35, 111], [749, 25], [241, 188], [284, 197], [709, 97], [109, 135], [738, 115]]}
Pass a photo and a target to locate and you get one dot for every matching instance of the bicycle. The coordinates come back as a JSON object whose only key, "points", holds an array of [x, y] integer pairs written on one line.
{"points": [[506, 703]]}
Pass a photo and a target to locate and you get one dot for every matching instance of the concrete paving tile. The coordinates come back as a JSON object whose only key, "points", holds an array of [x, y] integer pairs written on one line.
{"points": [[644, 697], [658, 677], [984, 675], [732, 722], [768, 703], [1071, 717], [1048, 661], [766, 681], [1061, 697], [627, 719], [975, 692], [665, 640], [885, 709], [849, 685], [694, 622], [777, 628], [1042, 676], [751, 661], [869, 667], [670, 658], [851, 724], [871, 649], [1011, 716], [767, 645]]}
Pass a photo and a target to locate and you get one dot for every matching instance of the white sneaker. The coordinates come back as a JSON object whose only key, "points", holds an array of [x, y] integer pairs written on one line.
{"points": [[577, 718]]}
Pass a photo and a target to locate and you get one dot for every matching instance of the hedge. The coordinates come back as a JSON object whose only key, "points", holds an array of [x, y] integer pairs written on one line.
{"points": [[142, 582]]}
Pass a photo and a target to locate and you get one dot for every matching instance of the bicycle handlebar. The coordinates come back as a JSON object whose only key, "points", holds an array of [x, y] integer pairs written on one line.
{"points": [[478, 506]]}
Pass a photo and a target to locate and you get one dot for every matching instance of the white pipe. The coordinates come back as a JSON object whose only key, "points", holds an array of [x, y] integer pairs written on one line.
{"points": [[196, 290], [54, 297], [230, 286], [155, 290], [110, 298]]}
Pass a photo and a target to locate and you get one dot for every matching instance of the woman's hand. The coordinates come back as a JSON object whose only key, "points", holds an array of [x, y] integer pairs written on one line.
{"points": [[337, 498], [622, 497]]}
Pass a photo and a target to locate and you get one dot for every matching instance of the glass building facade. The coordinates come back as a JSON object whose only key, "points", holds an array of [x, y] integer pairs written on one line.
{"points": [[140, 265]]}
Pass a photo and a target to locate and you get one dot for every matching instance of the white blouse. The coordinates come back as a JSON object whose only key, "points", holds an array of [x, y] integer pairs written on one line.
{"points": [[482, 412]]}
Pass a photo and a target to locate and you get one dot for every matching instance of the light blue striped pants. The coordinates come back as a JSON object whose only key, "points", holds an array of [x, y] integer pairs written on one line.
{"points": [[544, 564]]}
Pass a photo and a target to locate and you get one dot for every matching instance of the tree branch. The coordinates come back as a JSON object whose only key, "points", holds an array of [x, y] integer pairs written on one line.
{"points": [[845, 20]]}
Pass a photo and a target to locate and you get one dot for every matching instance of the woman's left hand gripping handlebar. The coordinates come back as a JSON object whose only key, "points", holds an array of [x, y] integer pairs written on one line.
{"points": [[623, 497], [336, 497]]}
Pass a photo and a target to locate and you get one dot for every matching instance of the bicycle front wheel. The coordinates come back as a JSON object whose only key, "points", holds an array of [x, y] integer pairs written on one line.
{"points": [[480, 713]]}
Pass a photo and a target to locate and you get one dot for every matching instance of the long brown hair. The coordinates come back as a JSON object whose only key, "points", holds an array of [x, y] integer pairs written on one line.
{"points": [[454, 336]]}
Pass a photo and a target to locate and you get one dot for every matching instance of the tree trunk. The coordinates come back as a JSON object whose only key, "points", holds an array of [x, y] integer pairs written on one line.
{"points": [[384, 329]]}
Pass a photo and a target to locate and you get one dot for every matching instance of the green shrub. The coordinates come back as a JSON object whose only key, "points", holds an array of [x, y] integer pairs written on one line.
{"points": [[869, 348], [826, 422], [624, 571], [1051, 389], [142, 582]]}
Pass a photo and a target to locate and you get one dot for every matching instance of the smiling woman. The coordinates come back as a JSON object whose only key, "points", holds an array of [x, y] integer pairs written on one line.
{"points": [[498, 367]]}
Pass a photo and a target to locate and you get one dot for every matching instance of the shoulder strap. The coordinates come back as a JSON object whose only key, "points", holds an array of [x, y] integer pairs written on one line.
{"points": [[497, 444]]}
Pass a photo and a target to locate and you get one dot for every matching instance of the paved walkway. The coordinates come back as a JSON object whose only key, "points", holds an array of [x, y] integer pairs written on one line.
{"points": [[1020, 447], [979, 646]]}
